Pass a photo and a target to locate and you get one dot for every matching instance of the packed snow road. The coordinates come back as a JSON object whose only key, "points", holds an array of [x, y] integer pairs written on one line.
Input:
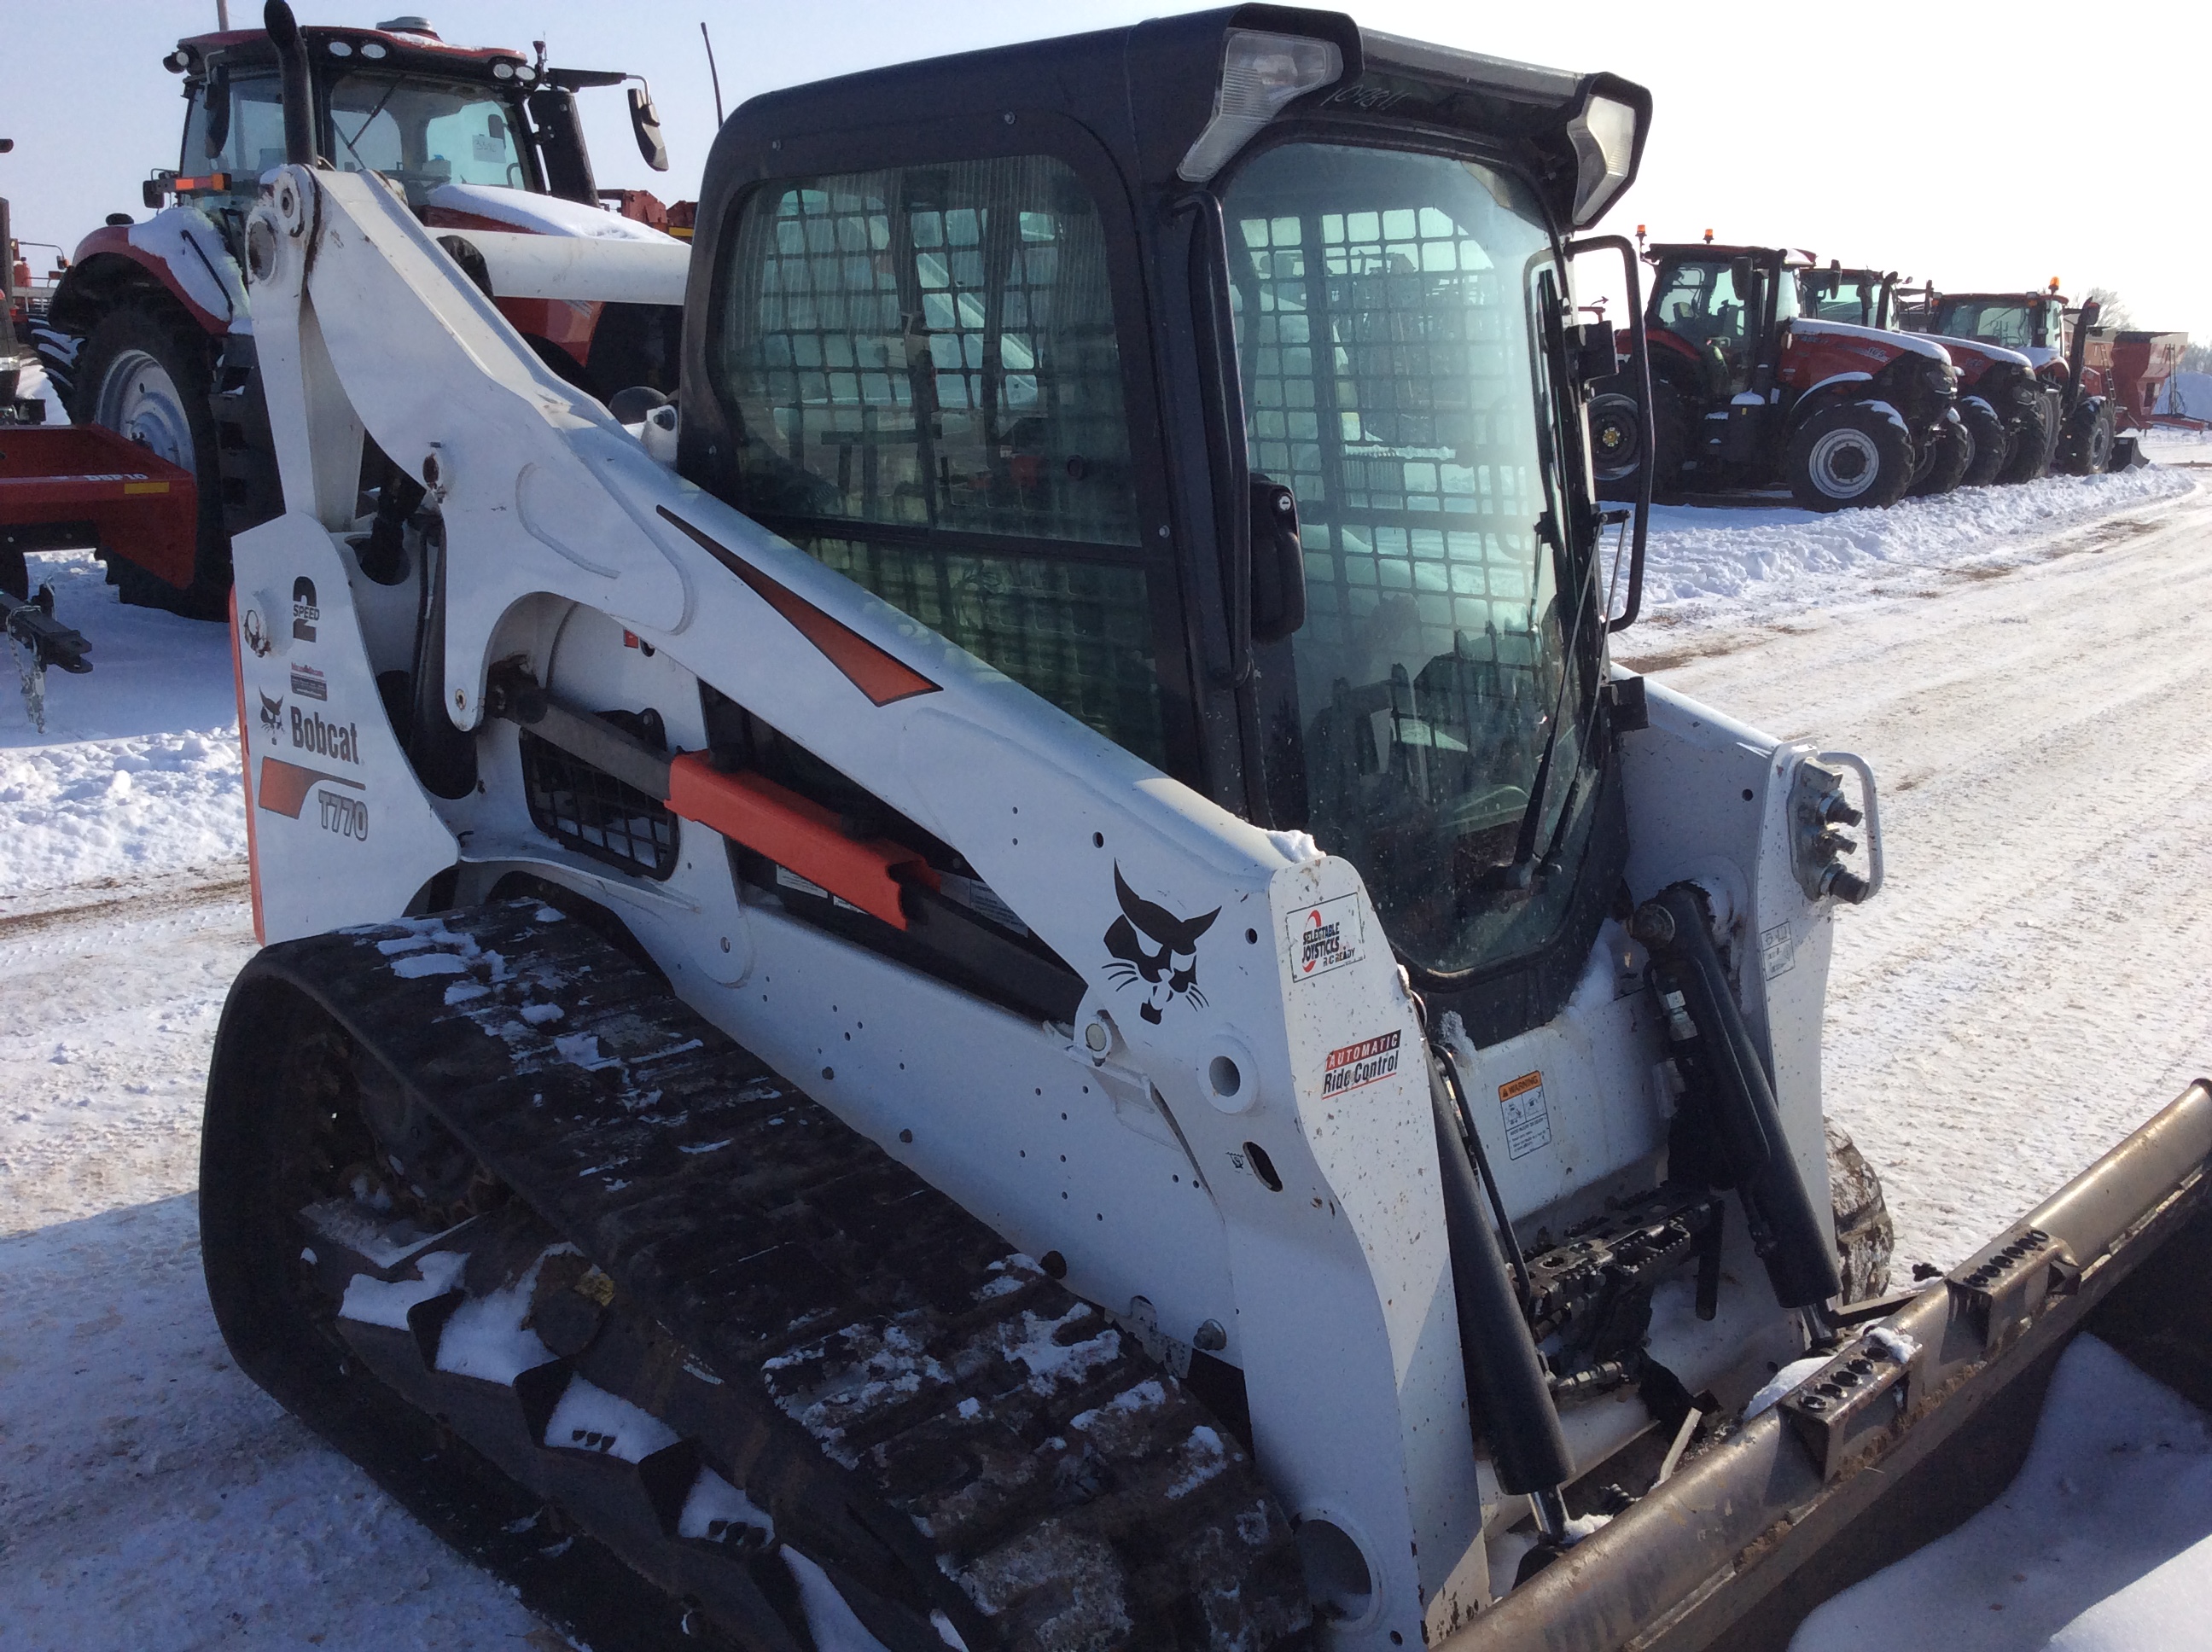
{"points": [[2021, 667]]}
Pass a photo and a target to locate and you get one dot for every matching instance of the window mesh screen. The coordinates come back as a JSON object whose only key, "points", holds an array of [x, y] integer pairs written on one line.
{"points": [[589, 811], [932, 346], [1076, 632]]}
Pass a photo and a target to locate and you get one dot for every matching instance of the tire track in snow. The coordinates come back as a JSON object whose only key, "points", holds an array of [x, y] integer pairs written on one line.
{"points": [[2023, 992]]}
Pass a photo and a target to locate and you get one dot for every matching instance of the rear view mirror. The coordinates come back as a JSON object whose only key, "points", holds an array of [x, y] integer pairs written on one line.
{"points": [[1593, 351], [155, 191], [216, 96], [645, 121]]}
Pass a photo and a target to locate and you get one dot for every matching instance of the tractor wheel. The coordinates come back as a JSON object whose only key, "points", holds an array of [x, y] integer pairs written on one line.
{"points": [[2087, 447], [2029, 456], [1864, 1235], [1850, 453], [1990, 449], [147, 373], [1950, 455], [1616, 439]]}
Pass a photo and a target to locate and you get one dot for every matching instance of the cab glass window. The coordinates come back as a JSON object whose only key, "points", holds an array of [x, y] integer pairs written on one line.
{"points": [[255, 141], [422, 133], [922, 366]]}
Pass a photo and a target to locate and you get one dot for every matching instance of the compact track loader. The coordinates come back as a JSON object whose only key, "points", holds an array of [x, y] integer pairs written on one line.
{"points": [[1017, 977]]}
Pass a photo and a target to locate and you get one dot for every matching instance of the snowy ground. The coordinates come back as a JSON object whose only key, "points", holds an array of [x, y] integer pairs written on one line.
{"points": [[2023, 666]]}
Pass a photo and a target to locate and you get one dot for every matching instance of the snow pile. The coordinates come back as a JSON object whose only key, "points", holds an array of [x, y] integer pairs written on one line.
{"points": [[1706, 564], [137, 773], [2113, 1506]]}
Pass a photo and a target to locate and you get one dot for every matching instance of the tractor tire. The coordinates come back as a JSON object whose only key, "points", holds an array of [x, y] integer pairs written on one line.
{"points": [[2085, 448], [1991, 447], [1850, 453], [2028, 457], [1616, 444], [147, 373], [1865, 1238], [1950, 455]]}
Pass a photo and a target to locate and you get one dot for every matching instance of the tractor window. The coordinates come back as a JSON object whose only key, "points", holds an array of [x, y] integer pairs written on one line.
{"points": [[422, 133], [1391, 311], [255, 141], [1831, 297], [1702, 301], [923, 364], [1996, 321]]}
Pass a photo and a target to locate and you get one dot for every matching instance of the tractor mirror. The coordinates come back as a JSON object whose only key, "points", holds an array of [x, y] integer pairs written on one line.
{"points": [[216, 99], [1593, 350], [154, 191], [1279, 563], [6, 144], [645, 121]]}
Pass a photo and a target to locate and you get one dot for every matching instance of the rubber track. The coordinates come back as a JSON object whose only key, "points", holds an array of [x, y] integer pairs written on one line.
{"points": [[923, 1412]]}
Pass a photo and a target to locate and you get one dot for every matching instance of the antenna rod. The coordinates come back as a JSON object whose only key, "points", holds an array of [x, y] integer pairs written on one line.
{"points": [[711, 70], [223, 16]]}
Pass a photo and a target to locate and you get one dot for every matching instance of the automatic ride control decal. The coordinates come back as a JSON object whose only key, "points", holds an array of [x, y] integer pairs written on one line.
{"points": [[1527, 1116], [1169, 967], [1323, 936], [1360, 1063]]}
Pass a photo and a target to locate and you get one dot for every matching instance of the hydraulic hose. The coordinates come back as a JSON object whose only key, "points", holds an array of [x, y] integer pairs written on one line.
{"points": [[1505, 1378], [1718, 1058]]}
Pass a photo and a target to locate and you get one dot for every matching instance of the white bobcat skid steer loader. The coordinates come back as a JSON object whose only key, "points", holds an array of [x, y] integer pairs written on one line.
{"points": [[808, 1078]]}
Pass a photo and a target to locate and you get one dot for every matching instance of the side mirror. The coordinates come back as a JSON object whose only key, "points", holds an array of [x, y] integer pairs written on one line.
{"points": [[1593, 351], [6, 144], [216, 99], [154, 191], [1278, 562], [645, 121]]}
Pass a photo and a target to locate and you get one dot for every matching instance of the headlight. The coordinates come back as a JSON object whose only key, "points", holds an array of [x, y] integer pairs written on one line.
{"points": [[1260, 74], [1604, 136]]}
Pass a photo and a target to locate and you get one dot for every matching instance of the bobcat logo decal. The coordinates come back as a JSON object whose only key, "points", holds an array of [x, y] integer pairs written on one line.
{"points": [[1168, 967], [272, 712]]}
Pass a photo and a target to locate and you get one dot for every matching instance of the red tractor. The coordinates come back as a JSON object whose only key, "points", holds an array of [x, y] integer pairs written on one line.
{"points": [[2006, 410], [2072, 365], [150, 332], [1747, 390]]}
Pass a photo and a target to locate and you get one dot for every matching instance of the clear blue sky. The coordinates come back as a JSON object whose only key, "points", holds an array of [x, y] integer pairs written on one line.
{"points": [[1981, 144]]}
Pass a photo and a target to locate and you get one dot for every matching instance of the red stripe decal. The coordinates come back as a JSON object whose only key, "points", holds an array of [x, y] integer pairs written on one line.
{"points": [[284, 786], [869, 669]]}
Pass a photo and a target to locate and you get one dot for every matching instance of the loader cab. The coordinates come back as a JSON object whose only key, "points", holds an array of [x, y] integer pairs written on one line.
{"points": [[1212, 379]]}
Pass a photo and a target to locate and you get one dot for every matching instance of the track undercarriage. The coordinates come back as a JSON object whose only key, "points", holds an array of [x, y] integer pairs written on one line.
{"points": [[480, 1194]]}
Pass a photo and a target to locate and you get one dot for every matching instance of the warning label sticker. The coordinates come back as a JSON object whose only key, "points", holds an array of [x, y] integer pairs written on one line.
{"points": [[1324, 935], [1779, 949], [1360, 1063], [1527, 1119]]}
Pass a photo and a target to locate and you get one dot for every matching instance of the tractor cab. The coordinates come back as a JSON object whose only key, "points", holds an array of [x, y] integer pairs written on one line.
{"points": [[462, 130], [1722, 307], [2034, 323], [1864, 298]]}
